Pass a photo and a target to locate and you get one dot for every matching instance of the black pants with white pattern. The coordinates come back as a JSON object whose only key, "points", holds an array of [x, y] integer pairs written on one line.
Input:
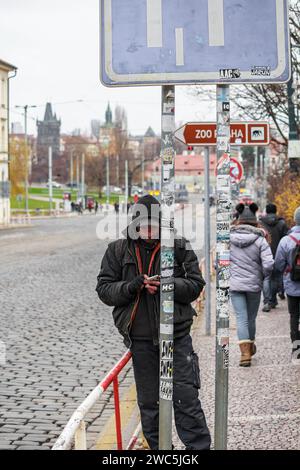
{"points": [[294, 310], [189, 417]]}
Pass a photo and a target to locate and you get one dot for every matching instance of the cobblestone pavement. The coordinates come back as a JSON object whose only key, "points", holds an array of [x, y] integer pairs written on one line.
{"points": [[59, 339], [264, 400]]}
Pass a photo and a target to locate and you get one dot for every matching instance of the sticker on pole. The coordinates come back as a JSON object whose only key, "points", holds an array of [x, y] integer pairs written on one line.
{"points": [[152, 42]]}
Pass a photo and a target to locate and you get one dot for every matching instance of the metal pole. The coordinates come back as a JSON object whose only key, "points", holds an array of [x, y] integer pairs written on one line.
{"points": [[26, 161], [50, 178], [71, 170], [77, 172], [293, 127], [118, 170], [262, 177], [107, 181], [82, 180], [223, 266], [255, 170], [207, 247], [143, 166], [167, 268], [266, 174], [126, 185]]}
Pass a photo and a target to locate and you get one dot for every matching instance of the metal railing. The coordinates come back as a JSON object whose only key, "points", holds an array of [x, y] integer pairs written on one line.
{"points": [[76, 428]]}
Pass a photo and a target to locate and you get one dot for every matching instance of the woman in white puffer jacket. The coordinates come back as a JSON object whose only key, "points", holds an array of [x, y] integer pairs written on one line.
{"points": [[251, 261]]}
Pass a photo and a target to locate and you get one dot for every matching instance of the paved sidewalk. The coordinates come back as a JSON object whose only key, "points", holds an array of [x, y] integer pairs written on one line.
{"points": [[264, 400]]}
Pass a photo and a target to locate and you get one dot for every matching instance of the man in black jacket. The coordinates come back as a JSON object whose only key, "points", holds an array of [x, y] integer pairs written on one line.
{"points": [[123, 282], [277, 229]]}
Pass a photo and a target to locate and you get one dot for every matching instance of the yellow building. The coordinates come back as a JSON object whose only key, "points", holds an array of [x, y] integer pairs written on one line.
{"points": [[5, 75]]}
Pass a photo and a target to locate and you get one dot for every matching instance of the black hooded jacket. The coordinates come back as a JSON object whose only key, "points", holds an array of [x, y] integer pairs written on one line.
{"points": [[276, 227], [120, 266]]}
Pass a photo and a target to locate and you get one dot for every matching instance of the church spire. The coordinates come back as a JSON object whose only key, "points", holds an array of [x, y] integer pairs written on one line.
{"points": [[48, 113], [108, 116]]}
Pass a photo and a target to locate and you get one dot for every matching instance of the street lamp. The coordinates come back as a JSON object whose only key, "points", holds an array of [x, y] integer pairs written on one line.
{"points": [[26, 107], [106, 142], [293, 124]]}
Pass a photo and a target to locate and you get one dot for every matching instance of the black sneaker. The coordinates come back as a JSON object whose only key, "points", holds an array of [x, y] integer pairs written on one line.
{"points": [[281, 296], [296, 357], [266, 308]]}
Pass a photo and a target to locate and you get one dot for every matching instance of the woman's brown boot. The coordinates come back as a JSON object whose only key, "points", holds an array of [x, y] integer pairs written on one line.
{"points": [[245, 347], [253, 348]]}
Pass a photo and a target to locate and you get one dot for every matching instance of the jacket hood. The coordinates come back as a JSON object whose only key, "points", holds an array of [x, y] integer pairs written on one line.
{"points": [[271, 220], [245, 235], [146, 208]]}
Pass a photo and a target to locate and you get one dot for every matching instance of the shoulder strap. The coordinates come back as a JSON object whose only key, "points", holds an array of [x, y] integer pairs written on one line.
{"points": [[295, 239]]}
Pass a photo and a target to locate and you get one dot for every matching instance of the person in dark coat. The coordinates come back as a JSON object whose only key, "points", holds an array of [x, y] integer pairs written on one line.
{"points": [[123, 282], [277, 229]]}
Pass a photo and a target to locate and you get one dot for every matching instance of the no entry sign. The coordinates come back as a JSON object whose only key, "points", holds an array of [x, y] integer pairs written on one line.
{"points": [[241, 133], [236, 168]]}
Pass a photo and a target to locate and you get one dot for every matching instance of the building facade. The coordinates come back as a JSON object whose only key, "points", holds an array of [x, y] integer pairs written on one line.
{"points": [[5, 71]]}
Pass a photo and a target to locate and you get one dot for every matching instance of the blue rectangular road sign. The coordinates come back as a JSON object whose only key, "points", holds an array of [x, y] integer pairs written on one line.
{"points": [[151, 42]]}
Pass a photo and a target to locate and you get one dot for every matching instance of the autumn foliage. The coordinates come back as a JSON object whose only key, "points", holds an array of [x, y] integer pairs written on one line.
{"points": [[17, 166], [287, 196]]}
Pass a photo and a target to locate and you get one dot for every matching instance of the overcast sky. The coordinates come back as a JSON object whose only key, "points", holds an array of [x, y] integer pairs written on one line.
{"points": [[55, 45]]}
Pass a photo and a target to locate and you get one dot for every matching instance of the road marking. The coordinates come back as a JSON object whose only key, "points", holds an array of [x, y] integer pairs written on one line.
{"points": [[154, 23], [255, 418], [179, 47], [216, 22], [129, 419]]}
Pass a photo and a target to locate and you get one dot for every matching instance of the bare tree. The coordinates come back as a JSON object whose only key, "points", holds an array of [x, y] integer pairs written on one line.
{"points": [[258, 102]]}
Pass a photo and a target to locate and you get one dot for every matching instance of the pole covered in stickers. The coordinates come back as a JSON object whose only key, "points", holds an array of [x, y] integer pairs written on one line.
{"points": [[223, 215], [167, 268]]}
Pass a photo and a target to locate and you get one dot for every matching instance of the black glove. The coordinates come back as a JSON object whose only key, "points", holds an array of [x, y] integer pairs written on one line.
{"points": [[135, 285]]}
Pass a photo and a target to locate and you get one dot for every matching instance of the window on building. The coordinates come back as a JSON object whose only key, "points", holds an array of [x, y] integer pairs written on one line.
{"points": [[2, 139], [3, 93]]}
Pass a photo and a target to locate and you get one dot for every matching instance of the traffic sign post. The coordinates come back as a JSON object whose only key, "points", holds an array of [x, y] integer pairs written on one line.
{"points": [[207, 236], [150, 42], [167, 268], [223, 214]]}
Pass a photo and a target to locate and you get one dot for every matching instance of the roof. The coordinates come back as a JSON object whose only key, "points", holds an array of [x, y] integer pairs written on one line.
{"points": [[150, 132], [6, 65], [188, 163]]}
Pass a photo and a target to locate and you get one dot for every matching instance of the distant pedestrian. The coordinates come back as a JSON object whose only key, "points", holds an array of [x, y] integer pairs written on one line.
{"points": [[277, 229], [96, 207], [287, 261], [90, 205], [117, 207], [251, 261]]}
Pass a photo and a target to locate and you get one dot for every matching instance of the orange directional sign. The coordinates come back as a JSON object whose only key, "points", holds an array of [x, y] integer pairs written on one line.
{"points": [[242, 133]]}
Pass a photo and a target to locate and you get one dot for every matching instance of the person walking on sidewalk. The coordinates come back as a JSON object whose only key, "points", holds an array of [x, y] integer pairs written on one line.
{"points": [[251, 261], [277, 229], [125, 283], [287, 261]]}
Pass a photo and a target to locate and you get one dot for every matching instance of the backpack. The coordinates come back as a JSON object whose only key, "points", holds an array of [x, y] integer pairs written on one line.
{"points": [[295, 267]]}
